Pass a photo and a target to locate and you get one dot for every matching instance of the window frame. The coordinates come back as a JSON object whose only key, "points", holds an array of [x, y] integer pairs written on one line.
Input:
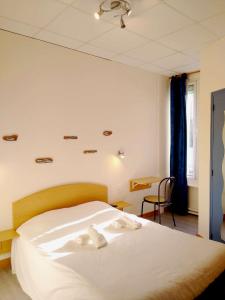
{"points": [[193, 181]]}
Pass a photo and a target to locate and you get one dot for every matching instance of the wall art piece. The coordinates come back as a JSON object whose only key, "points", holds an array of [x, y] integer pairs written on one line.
{"points": [[90, 151], [107, 132], [43, 160], [10, 138], [70, 137]]}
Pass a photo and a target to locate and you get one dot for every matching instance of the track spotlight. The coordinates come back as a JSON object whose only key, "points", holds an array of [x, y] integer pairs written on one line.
{"points": [[118, 8]]}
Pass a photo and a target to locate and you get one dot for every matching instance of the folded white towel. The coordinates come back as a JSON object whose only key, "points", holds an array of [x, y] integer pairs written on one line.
{"points": [[119, 223], [97, 238], [82, 239], [126, 222], [130, 223]]}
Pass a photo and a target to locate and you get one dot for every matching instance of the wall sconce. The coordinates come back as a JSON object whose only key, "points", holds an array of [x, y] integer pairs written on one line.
{"points": [[121, 154]]}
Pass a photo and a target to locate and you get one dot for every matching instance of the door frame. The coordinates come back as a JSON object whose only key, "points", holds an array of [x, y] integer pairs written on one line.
{"points": [[211, 166], [213, 94]]}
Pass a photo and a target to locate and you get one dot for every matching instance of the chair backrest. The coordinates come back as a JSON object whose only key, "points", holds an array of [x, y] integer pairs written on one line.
{"points": [[165, 188]]}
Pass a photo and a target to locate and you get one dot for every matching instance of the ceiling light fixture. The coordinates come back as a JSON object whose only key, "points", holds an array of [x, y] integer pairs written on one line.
{"points": [[119, 8]]}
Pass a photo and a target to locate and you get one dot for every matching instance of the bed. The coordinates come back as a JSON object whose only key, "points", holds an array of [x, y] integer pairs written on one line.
{"points": [[153, 262]]}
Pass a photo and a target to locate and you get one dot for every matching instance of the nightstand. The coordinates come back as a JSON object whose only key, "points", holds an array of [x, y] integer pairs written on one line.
{"points": [[9, 234], [6, 237], [120, 204]]}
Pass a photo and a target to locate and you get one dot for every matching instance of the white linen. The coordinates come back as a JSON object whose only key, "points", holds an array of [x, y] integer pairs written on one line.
{"points": [[83, 239], [131, 223], [154, 262], [126, 222], [97, 238]]}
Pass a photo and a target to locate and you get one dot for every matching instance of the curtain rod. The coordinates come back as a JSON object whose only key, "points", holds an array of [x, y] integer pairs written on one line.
{"points": [[190, 73]]}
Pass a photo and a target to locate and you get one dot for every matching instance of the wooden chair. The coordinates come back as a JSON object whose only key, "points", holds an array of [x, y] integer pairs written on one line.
{"points": [[163, 199]]}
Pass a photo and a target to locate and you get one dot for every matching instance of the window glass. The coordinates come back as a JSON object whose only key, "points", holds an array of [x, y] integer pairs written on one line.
{"points": [[191, 112]]}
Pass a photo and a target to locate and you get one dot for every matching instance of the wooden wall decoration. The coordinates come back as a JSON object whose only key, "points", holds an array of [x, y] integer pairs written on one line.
{"points": [[70, 137], [90, 151], [10, 138], [107, 132], [44, 160]]}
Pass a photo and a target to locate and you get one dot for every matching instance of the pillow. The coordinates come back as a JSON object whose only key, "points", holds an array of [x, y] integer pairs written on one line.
{"points": [[67, 219]]}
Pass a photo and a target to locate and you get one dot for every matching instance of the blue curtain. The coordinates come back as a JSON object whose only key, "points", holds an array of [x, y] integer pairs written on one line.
{"points": [[178, 147]]}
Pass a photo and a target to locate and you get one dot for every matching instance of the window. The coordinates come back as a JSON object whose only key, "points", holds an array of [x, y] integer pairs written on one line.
{"points": [[191, 112]]}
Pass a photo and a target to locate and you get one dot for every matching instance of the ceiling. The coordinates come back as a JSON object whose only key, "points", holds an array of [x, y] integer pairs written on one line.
{"points": [[162, 36]]}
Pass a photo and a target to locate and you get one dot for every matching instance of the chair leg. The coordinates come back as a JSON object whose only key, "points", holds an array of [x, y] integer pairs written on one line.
{"points": [[142, 208], [159, 214], [172, 212], [154, 212]]}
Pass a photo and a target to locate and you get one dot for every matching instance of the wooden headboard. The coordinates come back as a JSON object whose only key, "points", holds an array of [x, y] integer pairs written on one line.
{"points": [[56, 197]]}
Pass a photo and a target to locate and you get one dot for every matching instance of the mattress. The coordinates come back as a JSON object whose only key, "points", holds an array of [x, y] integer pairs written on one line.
{"points": [[154, 262]]}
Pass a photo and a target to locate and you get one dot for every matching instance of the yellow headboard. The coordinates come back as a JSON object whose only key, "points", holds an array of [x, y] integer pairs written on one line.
{"points": [[56, 197]]}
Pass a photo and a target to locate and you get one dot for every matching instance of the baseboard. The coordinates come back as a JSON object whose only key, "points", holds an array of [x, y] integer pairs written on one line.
{"points": [[151, 213], [199, 235], [167, 209], [5, 263], [147, 214], [192, 212]]}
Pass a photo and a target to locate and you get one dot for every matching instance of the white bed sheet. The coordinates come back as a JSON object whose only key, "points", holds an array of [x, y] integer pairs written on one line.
{"points": [[154, 262]]}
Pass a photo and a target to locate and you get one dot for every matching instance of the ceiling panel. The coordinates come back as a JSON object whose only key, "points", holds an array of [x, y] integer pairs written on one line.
{"points": [[191, 37], [216, 25], [139, 6], [92, 6], [18, 27], [198, 9], [155, 69], [90, 49], [157, 22], [38, 13], [58, 39], [127, 60], [89, 6], [66, 1], [78, 25], [196, 52], [150, 52], [119, 40], [174, 61], [162, 36], [188, 68]]}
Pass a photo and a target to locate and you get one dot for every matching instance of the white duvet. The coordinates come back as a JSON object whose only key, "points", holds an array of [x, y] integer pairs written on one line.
{"points": [[153, 262]]}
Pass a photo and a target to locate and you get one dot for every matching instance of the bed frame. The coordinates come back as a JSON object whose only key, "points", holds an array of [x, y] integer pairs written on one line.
{"points": [[216, 290], [56, 197], [77, 193]]}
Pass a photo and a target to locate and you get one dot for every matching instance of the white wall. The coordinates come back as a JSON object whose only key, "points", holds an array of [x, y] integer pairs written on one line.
{"points": [[212, 79], [48, 91]]}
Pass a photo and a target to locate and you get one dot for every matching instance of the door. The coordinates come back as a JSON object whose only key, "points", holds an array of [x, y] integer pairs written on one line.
{"points": [[217, 209]]}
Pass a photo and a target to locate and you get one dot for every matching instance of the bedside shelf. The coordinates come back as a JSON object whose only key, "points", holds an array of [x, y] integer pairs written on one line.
{"points": [[120, 204], [7, 235], [137, 184]]}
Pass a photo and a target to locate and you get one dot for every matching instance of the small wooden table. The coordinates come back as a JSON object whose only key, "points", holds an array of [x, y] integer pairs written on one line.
{"points": [[120, 204], [142, 183]]}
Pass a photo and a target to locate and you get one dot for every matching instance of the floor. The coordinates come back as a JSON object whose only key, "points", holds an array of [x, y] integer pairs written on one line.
{"points": [[9, 286], [223, 231], [188, 224]]}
